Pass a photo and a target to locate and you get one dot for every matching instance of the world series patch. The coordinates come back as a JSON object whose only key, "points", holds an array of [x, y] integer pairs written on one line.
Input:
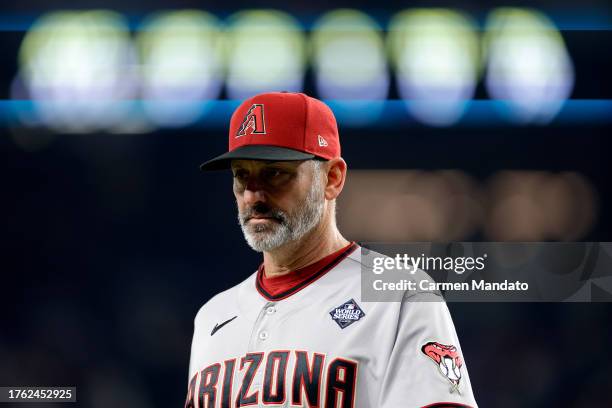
{"points": [[347, 313]]}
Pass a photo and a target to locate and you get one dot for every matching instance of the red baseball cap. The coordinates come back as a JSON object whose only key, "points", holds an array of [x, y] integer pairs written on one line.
{"points": [[280, 126]]}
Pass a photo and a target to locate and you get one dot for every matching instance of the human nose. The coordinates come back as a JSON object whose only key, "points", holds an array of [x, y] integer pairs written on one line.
{"points": [[253, 191]]}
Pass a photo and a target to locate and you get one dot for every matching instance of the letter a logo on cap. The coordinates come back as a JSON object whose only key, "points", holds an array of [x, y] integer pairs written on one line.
{"points": [[254, 120]]}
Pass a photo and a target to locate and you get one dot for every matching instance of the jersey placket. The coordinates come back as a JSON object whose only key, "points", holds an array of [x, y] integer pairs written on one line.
{"points": [[261, 328], [259, 337]]}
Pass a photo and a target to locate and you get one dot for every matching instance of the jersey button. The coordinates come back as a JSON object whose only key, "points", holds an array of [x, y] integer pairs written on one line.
{"points": [[270, 310], [263, 335]]}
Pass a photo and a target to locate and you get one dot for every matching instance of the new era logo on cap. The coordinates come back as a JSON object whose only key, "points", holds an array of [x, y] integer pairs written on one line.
{"points": [[280, 126]]}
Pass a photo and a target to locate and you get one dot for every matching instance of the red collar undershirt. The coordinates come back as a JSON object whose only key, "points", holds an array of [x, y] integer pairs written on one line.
{"points": [[279, 284]]}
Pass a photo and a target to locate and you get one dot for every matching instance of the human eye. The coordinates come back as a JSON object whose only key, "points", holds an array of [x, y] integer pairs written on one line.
{"points": [[275, 175], [276, 172], [240, 174]]}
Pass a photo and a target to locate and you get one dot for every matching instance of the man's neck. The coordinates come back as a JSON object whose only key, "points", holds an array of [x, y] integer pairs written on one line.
{"points": [[316, 244]]}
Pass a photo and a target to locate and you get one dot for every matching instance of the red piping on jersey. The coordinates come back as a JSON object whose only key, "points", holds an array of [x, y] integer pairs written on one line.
{"points": [[311, 276]]}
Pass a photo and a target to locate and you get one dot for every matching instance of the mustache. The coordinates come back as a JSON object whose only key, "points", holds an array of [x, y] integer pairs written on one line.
{"points": [[263, 210]]}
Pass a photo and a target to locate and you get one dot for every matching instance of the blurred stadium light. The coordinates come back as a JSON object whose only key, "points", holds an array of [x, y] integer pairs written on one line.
{"points": [[266, 52], [350, 65], [80, 72], [528, 67], [537, 206], [76, 66], [448, 205], [436, 60], [182, 65], [409, 205]]}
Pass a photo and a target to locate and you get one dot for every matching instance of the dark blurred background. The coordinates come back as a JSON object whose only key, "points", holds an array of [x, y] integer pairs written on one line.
{"points": [[460, 121]]}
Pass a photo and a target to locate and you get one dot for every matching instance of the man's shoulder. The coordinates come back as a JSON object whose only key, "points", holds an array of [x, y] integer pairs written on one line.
{"points": [[365, 261]]}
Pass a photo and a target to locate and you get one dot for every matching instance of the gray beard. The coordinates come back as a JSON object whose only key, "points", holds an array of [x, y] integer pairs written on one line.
{"points": [[290, 227]]}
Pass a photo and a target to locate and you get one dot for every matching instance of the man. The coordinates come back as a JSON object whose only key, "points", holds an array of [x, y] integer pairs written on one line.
{"points": [[296, 332]]}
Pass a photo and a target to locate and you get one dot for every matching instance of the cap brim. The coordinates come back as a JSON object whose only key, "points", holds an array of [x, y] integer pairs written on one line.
{"points": [[255, 152]]}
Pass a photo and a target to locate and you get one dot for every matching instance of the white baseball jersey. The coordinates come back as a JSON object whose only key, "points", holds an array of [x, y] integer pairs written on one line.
{"points": [[319, 345]]}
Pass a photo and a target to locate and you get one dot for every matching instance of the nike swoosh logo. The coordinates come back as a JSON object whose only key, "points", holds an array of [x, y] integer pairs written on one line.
{"points": [[218, 326]]}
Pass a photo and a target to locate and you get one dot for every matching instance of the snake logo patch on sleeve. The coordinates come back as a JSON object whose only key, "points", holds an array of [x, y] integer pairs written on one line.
{"points": [[447, 359]]}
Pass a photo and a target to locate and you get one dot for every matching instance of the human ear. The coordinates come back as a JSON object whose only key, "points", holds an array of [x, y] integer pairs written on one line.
{"points": [[336, 175]]}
